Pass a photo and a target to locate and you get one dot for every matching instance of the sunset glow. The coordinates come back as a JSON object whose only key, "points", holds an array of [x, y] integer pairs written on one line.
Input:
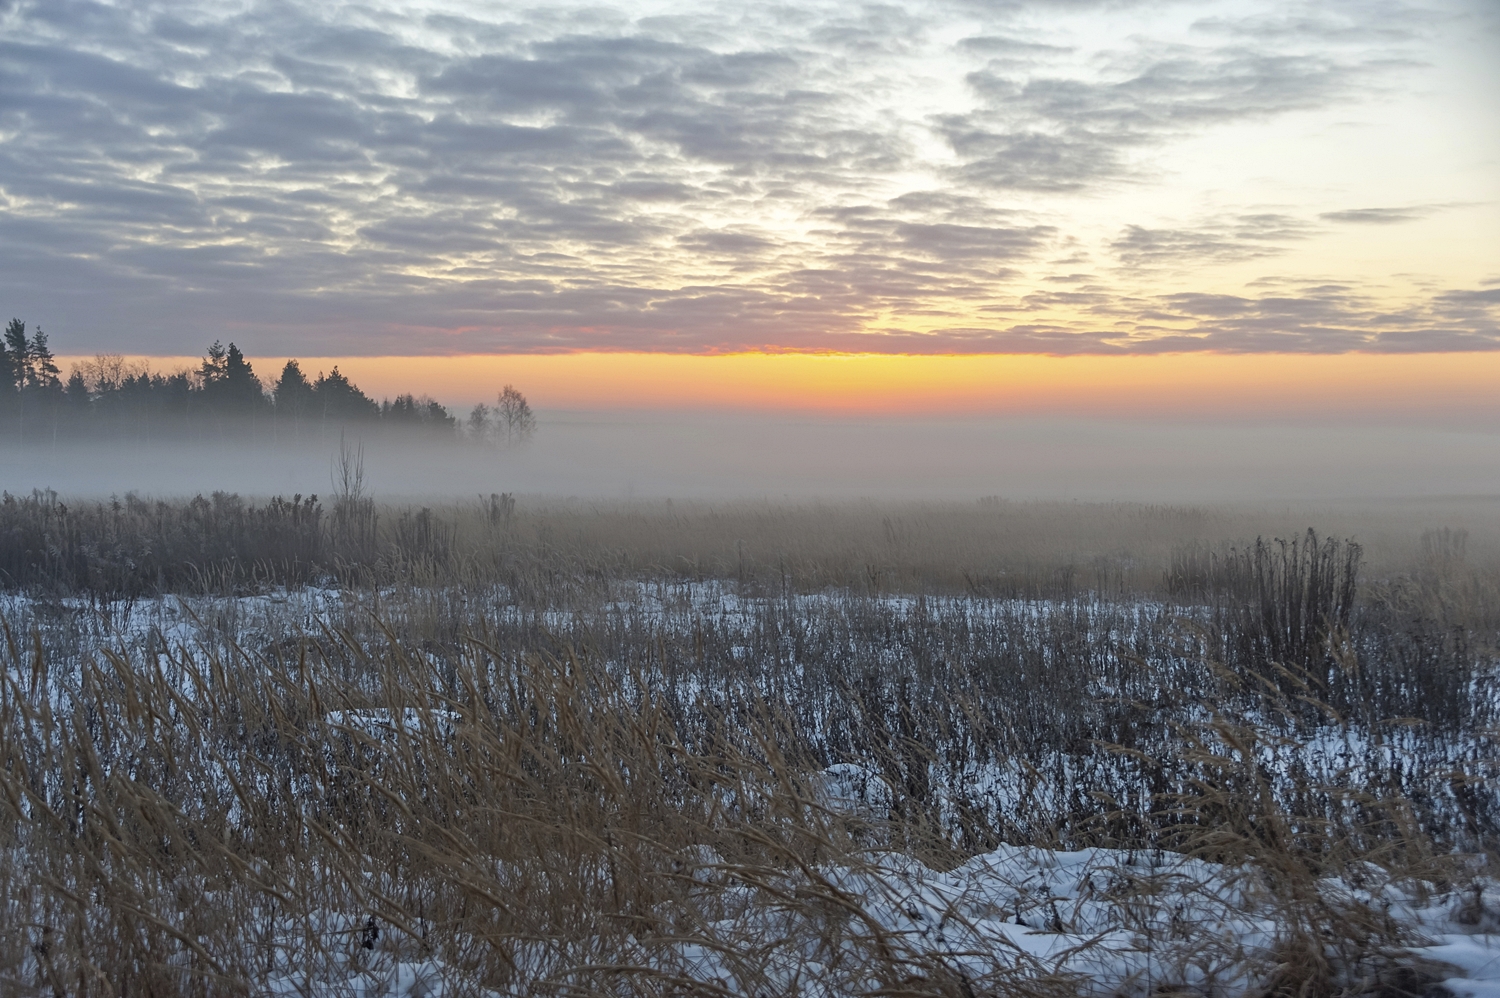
{"points": [[1099, 235], [1371, 387]]}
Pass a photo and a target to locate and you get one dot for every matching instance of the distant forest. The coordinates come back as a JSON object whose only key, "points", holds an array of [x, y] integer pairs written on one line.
{"points": [[110, 398]]}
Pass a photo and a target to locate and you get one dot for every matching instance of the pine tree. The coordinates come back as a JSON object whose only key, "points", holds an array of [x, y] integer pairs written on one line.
{"points": [[7, 372], [17, 351], [212, 371], [228, 382], [43, 366]]}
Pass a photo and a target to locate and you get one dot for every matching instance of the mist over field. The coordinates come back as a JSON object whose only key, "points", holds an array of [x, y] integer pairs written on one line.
{"points": [[677, 498], [686, 455]]}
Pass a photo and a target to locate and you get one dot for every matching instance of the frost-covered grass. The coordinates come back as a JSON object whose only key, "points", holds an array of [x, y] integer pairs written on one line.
{"points": [[1018, 919], [1249, 782]]}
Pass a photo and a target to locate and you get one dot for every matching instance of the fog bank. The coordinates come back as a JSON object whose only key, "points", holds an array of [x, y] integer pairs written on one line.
{"points": [[712, 456]]}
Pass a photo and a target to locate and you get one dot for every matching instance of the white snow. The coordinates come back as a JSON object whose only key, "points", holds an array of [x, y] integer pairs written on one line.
{"points": [[1112, 922], [1120, 923]]}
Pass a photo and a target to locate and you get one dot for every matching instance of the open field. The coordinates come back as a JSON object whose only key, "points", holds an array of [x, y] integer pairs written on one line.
{"points": [[665, 499], [543, 747]]}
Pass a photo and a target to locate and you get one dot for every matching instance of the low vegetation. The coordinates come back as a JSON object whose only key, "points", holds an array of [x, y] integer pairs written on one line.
{"points": [[314, 746]]}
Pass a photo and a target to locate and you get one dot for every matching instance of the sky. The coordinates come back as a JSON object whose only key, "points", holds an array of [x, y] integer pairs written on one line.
{"points": [[1035, 177]]}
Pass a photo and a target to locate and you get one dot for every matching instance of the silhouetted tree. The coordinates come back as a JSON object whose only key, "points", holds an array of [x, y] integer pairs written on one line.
{"points": [[417, 413], [337, 399], [7, 365], [240, 383], [213, 369], [77, 389], [293, 393], [229, 384], [515, 416], [437, 416], [403, 410], [43, 373], [16, 355], [28, 380], [78, 400], [106, 372], [479, 421], [113, 397], [292, 382]]}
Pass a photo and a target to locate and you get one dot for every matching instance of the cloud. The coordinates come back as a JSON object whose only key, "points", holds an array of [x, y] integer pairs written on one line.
{"points": [[368, 178], [1331, 319], [1393, 22], [1245, 237], [995, 45], [1376, 216], [1040, 132], [733, 244]]}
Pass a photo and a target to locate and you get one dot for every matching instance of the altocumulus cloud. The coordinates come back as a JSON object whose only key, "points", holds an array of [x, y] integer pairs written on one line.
{"points": [[706, 177]]}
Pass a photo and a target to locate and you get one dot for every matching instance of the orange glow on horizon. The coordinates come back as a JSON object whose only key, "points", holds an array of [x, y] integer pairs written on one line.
{"points": [[1179, 385]]}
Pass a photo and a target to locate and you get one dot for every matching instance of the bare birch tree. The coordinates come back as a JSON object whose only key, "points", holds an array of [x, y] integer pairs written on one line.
{"points": [[514, 416]]}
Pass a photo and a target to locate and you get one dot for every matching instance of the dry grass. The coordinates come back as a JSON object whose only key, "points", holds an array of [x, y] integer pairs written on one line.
{"points": [[571, 750], [132, 545], [199, 824]]}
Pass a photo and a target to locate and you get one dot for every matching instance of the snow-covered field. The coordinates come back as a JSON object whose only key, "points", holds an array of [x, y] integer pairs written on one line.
{"points": [[1007, 918], [280, 611], [1092, 922]]}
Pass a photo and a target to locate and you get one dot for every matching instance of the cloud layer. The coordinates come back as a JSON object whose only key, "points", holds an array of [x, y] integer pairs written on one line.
{"points": [[328, 179]]}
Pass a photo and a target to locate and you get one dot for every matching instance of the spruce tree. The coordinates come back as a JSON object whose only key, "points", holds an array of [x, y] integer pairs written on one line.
{"points": [[293, 394], [242, 389], [77, 392], [337, 398]]}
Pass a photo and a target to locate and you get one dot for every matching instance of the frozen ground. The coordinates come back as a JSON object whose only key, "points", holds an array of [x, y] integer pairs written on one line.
{"points": [[1109, 922], [1095, 922], [177, 621], [253, 620]]}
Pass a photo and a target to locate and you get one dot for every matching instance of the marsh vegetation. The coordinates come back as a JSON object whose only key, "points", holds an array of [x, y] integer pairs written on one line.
{"points": [[329, 746]]}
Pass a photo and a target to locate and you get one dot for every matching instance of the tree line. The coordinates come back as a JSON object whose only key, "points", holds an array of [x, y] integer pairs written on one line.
{"points": [[111, 397]]}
